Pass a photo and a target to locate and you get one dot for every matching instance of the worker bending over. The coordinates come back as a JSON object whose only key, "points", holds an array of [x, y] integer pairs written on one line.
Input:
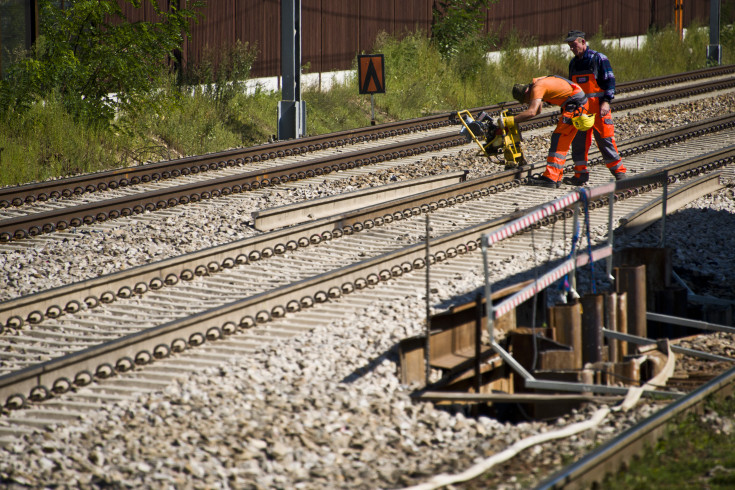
{"points": [[574, 117]]}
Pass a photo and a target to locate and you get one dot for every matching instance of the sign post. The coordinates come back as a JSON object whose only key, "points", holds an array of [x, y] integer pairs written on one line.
{"points": [[371, 76]]}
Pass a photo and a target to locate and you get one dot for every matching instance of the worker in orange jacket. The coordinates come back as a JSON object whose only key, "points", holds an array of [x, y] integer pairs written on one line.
{"points": [[574, 117]]}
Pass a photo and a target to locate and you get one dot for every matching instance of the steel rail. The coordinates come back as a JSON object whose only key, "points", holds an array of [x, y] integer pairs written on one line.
{"points": [[244, 313], [299, 212], [102, 360], [60, 219], [646, 216], [664, 80], [591, 470], [629, 102], [672, 94], [151, 172], [670, 136]]}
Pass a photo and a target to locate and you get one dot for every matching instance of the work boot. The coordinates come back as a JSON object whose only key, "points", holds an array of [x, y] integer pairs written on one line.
{"points": [[620, 176], [576, 181], [544, 181]]}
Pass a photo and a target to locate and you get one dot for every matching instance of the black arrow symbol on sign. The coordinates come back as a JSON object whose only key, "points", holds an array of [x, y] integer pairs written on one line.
{"points": [[371, 75]]}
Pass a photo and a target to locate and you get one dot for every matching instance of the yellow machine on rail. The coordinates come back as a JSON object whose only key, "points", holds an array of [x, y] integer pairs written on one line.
{"points": [[503, 136]]}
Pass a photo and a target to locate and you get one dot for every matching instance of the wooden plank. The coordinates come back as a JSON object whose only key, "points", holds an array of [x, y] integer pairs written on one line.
{"points": [[452, 360]]}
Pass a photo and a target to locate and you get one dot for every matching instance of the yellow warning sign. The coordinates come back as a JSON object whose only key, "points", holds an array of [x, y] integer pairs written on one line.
{"points": [[371, 73]]}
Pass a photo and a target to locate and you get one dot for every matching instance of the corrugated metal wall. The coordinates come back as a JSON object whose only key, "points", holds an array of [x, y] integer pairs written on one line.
{"points": [[547, 21], [335, 31]]}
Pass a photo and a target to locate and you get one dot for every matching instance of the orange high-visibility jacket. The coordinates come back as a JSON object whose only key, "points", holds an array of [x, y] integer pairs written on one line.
{"points": [[557, 90]]}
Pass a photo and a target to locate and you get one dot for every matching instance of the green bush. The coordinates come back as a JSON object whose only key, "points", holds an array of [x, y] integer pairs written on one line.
{"points": [[93, 60], [416, 77], [457, 28], [340, 107]]}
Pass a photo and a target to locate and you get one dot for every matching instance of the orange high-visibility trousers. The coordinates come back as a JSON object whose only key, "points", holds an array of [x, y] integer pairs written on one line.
{"points": [[561, 140], [604, 134]]}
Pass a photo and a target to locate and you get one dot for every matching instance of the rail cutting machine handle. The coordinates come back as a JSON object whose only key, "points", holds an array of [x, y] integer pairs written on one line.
{"points": [[468, 121]]}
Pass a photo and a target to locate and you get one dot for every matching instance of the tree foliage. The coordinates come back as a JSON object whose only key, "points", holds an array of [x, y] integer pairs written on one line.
{"points": [[94, 60], [222, 74], [458, 25]]}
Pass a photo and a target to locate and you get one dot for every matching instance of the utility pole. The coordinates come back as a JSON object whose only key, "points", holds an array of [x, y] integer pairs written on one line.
{"points": [[291, 109], [714, 50]]}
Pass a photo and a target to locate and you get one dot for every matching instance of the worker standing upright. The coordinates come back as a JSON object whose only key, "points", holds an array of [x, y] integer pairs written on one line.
{"points": [[574, 119], [592, 71]]}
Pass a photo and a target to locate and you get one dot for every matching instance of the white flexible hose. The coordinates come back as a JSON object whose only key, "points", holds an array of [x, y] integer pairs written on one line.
{"points": [[629, 402], [634, 394], [438, 481]]}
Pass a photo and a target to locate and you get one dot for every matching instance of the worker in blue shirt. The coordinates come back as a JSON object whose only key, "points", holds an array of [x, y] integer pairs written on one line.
{"points": [[592, 71]]}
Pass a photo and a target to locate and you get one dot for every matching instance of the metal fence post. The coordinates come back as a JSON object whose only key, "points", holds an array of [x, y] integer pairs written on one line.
{"points": [[610, 232], [428, 305], [664, 201], [575, 251], [488, 300]]}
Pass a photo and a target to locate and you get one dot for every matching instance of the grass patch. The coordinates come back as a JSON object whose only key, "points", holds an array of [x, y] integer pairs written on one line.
{"points": [[417, 79], [217, 115], [339, 108], [697, 452], [47, 142]]}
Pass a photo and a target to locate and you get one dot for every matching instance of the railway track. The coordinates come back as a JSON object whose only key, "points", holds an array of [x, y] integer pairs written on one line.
{"points": [[123, 323], [71, 349], [44, 207], [52, 304]]}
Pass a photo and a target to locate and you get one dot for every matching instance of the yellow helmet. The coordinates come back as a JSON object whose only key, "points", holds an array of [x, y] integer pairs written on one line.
{"points": [[583, 122]]}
